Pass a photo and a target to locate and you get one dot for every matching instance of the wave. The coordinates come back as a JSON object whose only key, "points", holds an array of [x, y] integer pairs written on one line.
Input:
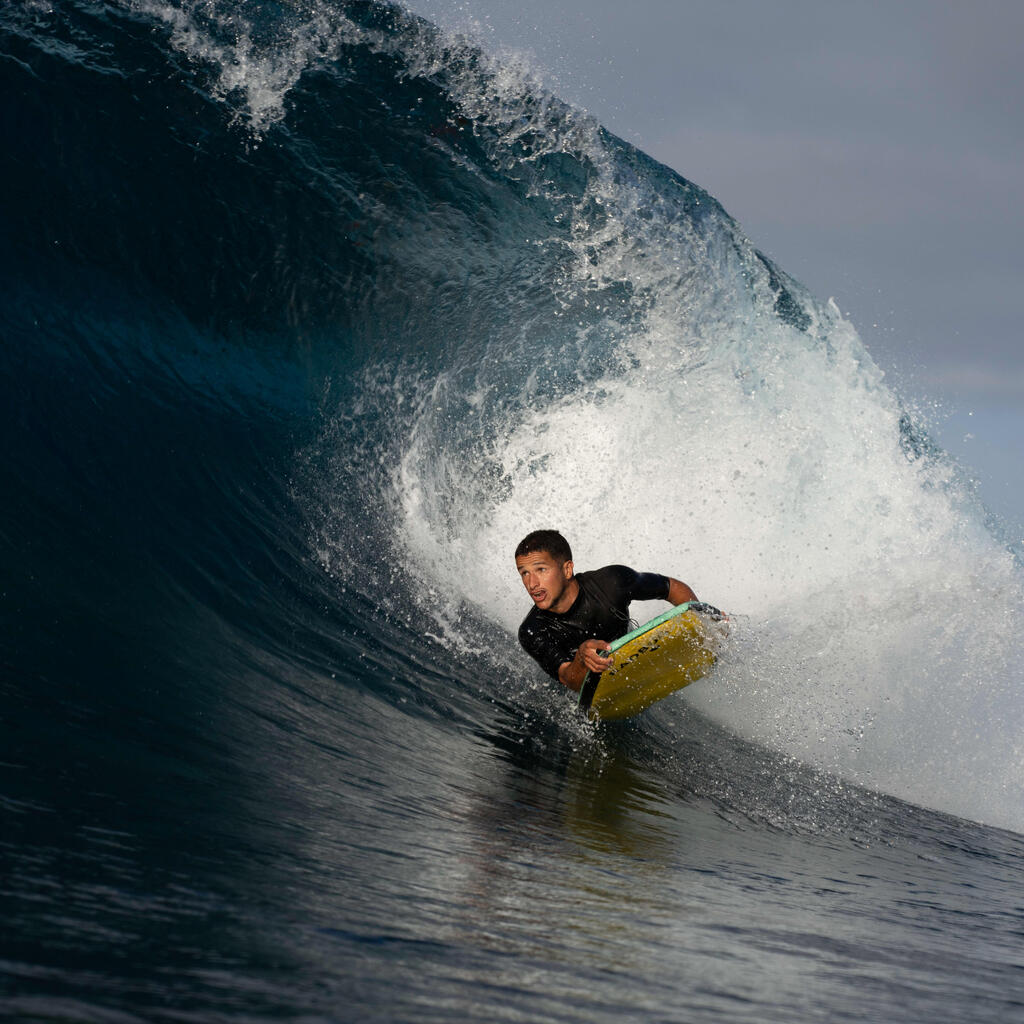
{"points": [[313, 310]]}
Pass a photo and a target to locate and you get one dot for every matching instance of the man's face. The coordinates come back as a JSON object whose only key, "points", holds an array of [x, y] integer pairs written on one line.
{"points": [[544, 578]]}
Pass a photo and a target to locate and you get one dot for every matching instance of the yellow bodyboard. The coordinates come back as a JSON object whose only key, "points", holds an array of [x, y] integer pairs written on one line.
{"points": [[660, 657]]}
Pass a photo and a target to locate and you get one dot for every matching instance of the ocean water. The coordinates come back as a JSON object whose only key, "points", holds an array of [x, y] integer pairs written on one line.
{"points": [[309, 312]]}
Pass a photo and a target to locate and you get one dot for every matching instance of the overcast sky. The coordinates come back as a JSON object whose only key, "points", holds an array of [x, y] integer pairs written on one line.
{"points": [[874, 150]]}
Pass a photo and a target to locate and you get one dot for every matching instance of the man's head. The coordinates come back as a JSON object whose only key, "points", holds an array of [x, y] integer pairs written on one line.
{"points": [[544, 561], [550, 541]]}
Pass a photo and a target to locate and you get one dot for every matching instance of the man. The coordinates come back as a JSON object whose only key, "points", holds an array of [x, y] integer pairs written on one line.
{"points": [[573, 617]]}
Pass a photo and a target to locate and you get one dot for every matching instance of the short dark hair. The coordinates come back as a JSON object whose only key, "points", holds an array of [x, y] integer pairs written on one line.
{"points": [[550, 541]]}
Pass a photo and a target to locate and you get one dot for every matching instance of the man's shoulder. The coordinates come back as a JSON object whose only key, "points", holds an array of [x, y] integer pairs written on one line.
{"points": [[609, 574]]}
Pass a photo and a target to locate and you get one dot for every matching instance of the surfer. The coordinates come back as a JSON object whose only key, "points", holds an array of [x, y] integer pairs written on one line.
{"points": [[575, 617]]}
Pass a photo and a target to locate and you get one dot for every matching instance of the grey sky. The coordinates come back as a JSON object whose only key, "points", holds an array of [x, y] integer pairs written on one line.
{"points": [[874, 150]]}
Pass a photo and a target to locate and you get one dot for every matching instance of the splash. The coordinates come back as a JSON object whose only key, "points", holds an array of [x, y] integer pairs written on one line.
{"points": [[737, 435]]}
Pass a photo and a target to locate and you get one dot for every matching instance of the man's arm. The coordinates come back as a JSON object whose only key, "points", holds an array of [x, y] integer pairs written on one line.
{"points": [[651, 586], [587, 659], [679, 592]]}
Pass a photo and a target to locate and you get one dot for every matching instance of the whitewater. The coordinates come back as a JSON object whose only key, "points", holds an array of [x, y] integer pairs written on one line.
{"points": [[310, 312]]}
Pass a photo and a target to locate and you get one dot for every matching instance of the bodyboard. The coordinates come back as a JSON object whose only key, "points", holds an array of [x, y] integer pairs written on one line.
{"points": [[658, 658]]}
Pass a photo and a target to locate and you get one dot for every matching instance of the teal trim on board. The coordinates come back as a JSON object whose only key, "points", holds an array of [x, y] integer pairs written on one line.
{"points": [[656, 621]]}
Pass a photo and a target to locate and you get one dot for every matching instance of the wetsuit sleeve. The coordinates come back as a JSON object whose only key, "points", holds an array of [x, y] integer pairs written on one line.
{"points": [[548, 654], [640, 586]]}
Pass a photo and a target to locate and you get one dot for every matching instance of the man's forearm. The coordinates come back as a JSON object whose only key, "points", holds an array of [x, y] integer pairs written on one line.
{"points": [[572, 673], [589, 658], [679, 592]]}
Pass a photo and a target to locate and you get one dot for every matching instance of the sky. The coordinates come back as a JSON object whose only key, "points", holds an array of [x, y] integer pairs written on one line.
{"points": [[874, 150]]}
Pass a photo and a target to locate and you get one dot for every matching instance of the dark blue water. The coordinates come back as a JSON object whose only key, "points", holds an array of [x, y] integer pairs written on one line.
{"points": [[307, 314]]}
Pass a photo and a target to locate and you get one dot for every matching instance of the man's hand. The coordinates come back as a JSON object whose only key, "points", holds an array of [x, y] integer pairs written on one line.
{"points": [[593, 655], [588, 659]]}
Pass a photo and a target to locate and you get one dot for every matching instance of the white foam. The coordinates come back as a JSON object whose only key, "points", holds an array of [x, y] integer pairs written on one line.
{"points": [[220, 37], [768, 467]]}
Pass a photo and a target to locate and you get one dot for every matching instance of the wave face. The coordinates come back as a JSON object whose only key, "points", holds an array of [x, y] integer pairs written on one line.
{"points": [[311, 312]]}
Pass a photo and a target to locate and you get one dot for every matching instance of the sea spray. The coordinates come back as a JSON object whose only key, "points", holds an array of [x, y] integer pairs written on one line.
{"points": [[738, 435]]}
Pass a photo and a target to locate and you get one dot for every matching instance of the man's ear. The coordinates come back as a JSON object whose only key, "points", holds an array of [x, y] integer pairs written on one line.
{"points": [[567, 570]]}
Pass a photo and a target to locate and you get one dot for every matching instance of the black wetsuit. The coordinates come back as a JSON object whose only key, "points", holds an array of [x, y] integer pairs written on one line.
{"points": [[600, 611]]}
